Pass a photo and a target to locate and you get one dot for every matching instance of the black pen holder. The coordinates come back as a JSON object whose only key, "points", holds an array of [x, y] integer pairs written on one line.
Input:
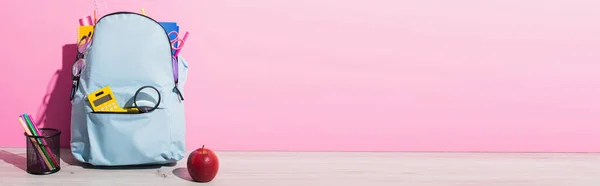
{"points": [[43, 151]]}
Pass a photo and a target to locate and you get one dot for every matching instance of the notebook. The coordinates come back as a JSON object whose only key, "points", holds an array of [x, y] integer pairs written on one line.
{"points": [[169, 27], [84, 31]]}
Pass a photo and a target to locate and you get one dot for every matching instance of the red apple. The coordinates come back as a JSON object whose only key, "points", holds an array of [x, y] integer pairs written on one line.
{"points": [[203, 164]]}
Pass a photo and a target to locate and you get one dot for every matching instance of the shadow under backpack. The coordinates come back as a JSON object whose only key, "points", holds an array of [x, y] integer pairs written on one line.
{"points": [[129, 51]]}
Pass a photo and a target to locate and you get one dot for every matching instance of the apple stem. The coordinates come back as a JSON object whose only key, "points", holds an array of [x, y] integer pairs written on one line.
{"points": [[202, 150]]}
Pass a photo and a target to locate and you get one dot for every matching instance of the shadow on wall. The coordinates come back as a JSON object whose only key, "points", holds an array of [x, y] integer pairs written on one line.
{"points": [[55, 109]]}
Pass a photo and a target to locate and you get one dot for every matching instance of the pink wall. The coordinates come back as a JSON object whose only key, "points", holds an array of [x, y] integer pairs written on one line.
{"points": [[381, 75]]}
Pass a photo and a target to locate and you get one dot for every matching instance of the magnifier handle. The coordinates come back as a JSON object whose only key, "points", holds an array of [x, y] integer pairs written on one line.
{"points": [[131, 110], [73, 89], [178, 92], [123, 110], [72, 93]]}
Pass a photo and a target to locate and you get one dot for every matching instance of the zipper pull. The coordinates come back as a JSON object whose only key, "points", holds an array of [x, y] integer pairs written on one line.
{"points": [[178, 92]]}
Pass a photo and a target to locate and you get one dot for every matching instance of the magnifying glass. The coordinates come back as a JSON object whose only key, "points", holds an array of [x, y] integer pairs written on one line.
{"points": [[146, 99]]}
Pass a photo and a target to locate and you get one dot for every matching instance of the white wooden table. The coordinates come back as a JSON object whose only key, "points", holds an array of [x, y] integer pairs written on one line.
{"points": [[332, 169]]}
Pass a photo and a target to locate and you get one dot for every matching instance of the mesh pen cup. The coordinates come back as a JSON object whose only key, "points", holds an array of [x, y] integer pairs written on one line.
{"points": [[43, 152]]}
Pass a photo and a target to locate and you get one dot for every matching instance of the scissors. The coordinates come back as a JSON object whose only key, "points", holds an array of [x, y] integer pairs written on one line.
{"points": [[175, 60], [179, 42], [79, 64]]}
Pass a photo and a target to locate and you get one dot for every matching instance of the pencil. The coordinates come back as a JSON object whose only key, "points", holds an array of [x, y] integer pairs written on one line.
{"points": [[43, 141], [25, 118], [143, 12], [36, 152], [47, 154], [38, 144], [34, 143]]}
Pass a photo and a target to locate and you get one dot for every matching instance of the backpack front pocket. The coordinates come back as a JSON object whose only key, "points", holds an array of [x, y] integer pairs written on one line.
{"points": [[128, 139]]}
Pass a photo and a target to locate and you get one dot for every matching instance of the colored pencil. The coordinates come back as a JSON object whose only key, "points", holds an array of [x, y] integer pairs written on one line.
{"points": [[37, 152], [35, 144], [54, 161], [32, 129]]}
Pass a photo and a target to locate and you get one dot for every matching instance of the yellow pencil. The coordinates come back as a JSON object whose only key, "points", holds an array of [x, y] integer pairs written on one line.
{"points": [[35, 143], [143, 12]]}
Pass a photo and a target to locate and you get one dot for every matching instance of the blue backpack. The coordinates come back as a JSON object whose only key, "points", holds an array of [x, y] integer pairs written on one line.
{"points": [[128, 52]]}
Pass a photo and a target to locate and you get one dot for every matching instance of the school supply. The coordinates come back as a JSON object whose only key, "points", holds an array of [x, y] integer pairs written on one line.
{"points": [[80, 64], [180, 42], [41, 157], [86, 21], [171, 27], [39, 151], [130, 54], [97, 10], [173, 32], [146, 108], [42, 142], [174, 60], [32, 123], [103, 101], [42, 145], [84, 31]]}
